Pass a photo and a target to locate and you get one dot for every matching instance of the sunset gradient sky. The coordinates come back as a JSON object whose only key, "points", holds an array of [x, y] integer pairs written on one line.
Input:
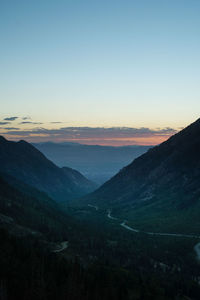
{"points": [[127, 70]]}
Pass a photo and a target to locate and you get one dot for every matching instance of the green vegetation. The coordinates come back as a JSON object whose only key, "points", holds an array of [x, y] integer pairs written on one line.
{"points": [[158, 192], [103, 260]]}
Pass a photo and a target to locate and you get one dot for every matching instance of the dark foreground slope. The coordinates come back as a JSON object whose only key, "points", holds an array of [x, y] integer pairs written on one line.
{"points": [[102, 260], [26, 211], [162, 183], [23, 161]]}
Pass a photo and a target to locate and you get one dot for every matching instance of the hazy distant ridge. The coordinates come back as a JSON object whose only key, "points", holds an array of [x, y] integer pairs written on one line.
{"points": [[98, 163]]}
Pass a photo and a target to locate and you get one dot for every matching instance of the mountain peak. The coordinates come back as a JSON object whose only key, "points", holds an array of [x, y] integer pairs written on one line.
{"points": [[163, 168], [2, 139], [26, 163]]}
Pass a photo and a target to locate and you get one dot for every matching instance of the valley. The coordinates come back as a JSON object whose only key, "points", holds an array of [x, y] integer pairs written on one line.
{"points": [[97, 163], [124, 225], [100, 150], [135, 237]]}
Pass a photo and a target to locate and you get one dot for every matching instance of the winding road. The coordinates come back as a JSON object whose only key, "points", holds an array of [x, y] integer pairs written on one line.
{"points": [[94, 206], [197, 250], [124, 225], [109, 215], [61, 247]]}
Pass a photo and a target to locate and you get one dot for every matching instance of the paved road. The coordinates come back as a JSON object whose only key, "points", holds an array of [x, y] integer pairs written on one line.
{"points": [[61, 247], [109, 215], [197, 250], [94, 206], [123, 224]]}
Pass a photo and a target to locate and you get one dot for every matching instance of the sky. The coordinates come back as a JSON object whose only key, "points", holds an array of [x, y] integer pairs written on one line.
{"points": [[99, 72]]}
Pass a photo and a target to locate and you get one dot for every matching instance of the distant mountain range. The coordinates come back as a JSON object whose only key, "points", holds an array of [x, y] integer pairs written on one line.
{"points": [[98, 163], [90, 250], [24, 162], [161, 188]]}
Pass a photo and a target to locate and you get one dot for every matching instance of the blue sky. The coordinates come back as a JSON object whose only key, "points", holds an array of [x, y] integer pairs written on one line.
{"points": [[100, 63]]}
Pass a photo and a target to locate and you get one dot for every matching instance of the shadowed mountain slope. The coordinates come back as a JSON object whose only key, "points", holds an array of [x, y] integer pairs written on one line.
{"points": [[165, 179], [27, 211], [23, 161]]}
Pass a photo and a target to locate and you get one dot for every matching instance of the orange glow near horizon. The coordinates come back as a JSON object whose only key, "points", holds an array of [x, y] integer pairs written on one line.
{"points": [[118, 141], [143, 141]]}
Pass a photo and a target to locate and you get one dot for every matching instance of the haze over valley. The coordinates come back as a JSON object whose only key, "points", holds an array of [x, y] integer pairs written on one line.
{"points": [[150, 202], [97, 163], [100, 150]]}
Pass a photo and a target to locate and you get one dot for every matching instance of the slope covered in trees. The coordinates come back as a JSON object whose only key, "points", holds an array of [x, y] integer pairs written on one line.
{"points": [[159, 188], [26, 163]]}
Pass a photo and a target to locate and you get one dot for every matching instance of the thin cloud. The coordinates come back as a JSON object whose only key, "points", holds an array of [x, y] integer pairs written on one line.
{"points": [[26, 118], [11, 119], [4, 123], [89, 132], [29, 122], [97, 135], [11, 128]]}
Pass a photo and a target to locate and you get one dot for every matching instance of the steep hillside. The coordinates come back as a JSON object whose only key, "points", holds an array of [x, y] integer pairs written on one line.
{"points": [[162, 182], [102, 260], [27, 211], [23, 161]]}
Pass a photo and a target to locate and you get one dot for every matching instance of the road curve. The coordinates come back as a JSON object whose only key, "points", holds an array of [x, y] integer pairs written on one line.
{"points": [[197, 250], [124, 225], [94, 206], [109, 215], [61, 247]]}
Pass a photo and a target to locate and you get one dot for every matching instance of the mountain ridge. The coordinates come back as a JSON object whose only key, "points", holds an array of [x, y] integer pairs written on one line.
{"points": [[159, 183], [23, 161], [96, 162]]}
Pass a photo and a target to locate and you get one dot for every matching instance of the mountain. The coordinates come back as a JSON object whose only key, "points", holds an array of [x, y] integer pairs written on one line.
{"points": [[25, 211], [28, 212], [46, 253], [162, 184], [24, 162], [98, 163]]}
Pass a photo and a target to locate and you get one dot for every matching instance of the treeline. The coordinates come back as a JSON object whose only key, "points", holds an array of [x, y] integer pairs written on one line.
{"points": [[29, 271]]}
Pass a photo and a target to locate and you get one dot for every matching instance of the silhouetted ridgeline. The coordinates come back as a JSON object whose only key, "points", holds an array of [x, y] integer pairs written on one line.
{"points": [[25, 162], [162, 184], [101, 259]]}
